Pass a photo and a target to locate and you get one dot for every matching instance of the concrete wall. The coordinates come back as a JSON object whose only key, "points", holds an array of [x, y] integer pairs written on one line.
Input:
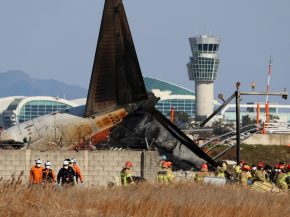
{"points": [[98, 167], [268, 139]]}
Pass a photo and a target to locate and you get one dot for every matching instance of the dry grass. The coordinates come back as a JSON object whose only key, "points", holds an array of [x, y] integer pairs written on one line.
{"points": [[187, 199]]}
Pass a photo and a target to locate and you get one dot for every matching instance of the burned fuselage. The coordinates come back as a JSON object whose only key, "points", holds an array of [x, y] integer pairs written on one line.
{"points": [[64, 130]]}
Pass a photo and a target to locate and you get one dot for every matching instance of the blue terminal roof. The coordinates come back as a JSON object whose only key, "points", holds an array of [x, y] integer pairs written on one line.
{"points": [[152, 83]]}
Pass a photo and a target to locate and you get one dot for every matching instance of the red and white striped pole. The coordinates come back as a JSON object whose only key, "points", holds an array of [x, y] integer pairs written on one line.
{"points": [[267, 96], [269, 77]]}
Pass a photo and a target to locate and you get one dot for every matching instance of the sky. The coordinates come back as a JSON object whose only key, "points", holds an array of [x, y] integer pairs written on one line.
{"points": [[56, 39]]}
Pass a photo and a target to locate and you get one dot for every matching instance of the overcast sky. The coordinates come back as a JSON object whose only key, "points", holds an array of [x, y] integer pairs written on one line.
{"points": [[57, 39]]}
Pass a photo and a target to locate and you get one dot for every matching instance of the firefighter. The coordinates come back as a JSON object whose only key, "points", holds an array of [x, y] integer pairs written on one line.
{"points": [[126, 174], [260, 180], [245, 176], [170, 174], [78, 172], [35, 176], [65, 176], [261, 173], [269, 172], [202, 173], [162, 175], [221, 169], [70, 166], [281, 177], [275, 173], [253, 170], [238, 169], [48, 176]]}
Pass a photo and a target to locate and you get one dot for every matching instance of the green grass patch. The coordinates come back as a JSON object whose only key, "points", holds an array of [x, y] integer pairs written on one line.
{"points": [[253, 154]]}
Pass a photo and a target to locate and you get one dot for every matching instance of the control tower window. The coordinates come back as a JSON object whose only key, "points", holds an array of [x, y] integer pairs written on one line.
{"points": [[200, 47], [194, 48], [215, 47], [205, 47], [210, 48]]}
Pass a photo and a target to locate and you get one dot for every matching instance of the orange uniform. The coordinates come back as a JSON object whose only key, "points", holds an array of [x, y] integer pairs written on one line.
{"points": [[35, 176], [78, 173]]}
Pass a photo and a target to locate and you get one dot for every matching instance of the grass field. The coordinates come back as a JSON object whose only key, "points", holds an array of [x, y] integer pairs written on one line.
{"points": [[188, 199], [271, 154]]}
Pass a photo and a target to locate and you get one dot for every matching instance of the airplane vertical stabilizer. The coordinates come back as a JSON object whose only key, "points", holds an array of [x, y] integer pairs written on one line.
{"points": [[116, 77]]}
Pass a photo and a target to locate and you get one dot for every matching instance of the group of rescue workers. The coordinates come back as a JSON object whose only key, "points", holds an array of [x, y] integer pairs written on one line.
{"points": [[263, 176], [68, 175], [259, 177]]}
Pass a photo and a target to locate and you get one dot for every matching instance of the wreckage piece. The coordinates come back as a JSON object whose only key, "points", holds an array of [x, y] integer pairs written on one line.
{"points": [[178, 134], [116, 77], [140, 130]]}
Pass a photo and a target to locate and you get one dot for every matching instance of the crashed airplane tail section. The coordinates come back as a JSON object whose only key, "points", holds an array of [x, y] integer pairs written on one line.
{"points": [[116, 90], [116, 78]]}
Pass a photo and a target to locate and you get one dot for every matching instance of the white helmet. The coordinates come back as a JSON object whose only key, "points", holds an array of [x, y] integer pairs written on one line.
{"points": [[38, 161], [73, 160], [65, 163], [47, 163]]}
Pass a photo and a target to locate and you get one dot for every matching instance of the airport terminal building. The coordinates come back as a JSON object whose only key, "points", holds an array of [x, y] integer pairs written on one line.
{"points": [[171, 95], [18, 109]]}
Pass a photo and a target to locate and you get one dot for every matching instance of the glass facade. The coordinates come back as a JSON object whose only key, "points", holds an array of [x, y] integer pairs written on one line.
{"points": [[180, 105], [181, 99], [36, 108]]}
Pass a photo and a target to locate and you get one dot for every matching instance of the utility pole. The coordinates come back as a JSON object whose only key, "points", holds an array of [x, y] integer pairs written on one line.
{"points": [[238, 133]]}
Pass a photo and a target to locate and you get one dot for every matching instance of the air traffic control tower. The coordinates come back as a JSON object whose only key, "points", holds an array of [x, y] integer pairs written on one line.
{"points": [[202, 68]]}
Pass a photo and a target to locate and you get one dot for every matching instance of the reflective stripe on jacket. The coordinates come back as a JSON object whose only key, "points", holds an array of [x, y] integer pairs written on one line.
{"points": [[162, 177], [200, 176], [126, 177]]}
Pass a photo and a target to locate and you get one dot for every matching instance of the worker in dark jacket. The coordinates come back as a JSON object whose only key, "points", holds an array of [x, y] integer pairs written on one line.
{"points": [[66, 175]]}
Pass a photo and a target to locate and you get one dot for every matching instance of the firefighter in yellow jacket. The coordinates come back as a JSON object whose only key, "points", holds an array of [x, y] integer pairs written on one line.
{"points": [[238, 169], [245, 175], [202, 173], [221, 169], [260, 182], [281, 178], [162, 175], [170, 174], [261, 174], [126, 174]]}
